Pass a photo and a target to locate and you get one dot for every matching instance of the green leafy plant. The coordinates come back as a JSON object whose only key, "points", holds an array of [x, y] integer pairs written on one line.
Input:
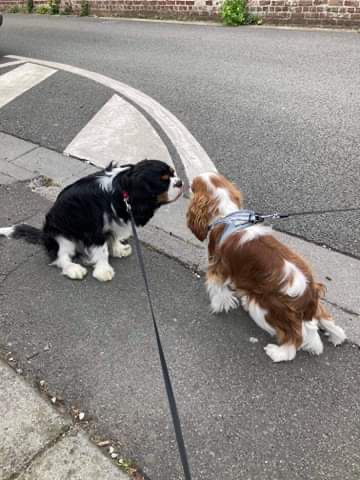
{"points": [[14, 9], [54, 7], [29, 6], [84, 8], [42, 9], [235, 12]]}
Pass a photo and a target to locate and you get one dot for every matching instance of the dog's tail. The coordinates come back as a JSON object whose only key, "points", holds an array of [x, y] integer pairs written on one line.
{"points": [[26, 232]]}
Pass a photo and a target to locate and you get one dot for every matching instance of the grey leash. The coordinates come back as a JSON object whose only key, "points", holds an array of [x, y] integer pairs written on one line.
{"points": [[310, 212], [164, 368]]}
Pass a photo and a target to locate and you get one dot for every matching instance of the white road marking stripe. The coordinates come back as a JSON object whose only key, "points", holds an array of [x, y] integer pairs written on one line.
{"points": [[21, 79], [192, 154], [119, 133], [10, 64]]}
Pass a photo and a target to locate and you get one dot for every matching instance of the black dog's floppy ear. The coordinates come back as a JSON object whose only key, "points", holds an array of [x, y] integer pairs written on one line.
{"points": [[126, 178]]}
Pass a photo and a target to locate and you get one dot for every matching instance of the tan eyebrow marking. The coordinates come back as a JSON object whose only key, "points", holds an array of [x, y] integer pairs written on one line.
{"points": [[165, 177]]}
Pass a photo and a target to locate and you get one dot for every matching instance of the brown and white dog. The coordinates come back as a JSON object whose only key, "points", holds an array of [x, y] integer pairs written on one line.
{"points": [[274, 284]]}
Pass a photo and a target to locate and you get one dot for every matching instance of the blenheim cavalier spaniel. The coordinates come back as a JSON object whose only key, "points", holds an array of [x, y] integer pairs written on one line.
{"points": [[248, 264]]}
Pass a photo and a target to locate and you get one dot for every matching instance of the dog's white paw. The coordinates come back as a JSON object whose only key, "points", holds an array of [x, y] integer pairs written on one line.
{"points": [[221, 297], [119, 250], [311, 339], [337, 336], [316, 347], [224, 303], [283, 353], [74, 271], [104, 273]]}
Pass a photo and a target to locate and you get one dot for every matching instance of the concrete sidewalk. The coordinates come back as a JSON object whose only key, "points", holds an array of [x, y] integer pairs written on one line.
{"points": [[219, 369], [39, 443]]}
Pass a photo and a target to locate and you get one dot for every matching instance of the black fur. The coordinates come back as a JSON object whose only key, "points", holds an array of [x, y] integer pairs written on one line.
{"points": [[79, 211], [28, 233]]}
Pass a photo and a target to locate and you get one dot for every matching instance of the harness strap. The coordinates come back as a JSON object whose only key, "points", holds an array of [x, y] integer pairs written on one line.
{"points": [[238, 220]]}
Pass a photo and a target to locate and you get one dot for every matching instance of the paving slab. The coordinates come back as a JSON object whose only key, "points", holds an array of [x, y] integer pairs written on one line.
{"points": [[12, 147], [339, 273], [14, 171], [28, 423], [6, 180], [19, 204], [75, 458], [51, 164]]}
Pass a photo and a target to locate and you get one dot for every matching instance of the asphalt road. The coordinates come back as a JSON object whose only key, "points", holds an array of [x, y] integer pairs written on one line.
{"points": [[243, 416], [277, 110]]}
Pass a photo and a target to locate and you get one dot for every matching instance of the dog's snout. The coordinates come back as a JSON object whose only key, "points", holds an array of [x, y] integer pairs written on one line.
{"points": [[178, 183]]}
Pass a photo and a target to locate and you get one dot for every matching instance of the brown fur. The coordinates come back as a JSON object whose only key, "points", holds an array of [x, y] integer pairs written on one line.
{"points": [[255, 268], [204, 206]]}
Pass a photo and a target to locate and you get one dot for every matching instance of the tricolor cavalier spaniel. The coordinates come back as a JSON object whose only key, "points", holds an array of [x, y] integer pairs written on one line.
{"points": [[274, 285], [89, 218]]}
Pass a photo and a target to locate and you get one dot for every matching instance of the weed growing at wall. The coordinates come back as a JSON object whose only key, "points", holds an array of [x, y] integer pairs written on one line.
{"points": [[29, 6], [54, 7], [42, 9], [234, 12], [16, 9], [84, 8]]}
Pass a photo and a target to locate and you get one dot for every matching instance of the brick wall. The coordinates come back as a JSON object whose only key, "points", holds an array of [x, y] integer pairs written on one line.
{"points": [[335, 13], [152, 8]]}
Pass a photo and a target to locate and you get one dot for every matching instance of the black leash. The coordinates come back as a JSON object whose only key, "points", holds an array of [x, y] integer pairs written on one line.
{"points": [[310, 212], [164, 368]]}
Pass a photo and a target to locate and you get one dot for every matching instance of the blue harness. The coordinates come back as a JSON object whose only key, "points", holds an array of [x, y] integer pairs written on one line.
{"points": [[240, 220]]}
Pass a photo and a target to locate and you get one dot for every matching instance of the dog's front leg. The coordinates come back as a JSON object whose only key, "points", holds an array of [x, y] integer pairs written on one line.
{"points": [[99, 258], [222, 298], [120, 233]]}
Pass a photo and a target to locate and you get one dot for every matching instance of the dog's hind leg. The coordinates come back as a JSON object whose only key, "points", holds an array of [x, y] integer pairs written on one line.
{"points": [[65, 254], [288, 332], [336, 334]]}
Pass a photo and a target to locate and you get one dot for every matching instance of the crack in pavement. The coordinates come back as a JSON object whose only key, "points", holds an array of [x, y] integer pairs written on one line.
{"points": [[65, 430], [343, 309], [19, 265]]}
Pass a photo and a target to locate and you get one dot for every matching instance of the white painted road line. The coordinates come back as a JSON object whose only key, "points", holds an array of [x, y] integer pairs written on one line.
{"points": [[119, 133], [10, 64], [21, 79], [192, 154]]}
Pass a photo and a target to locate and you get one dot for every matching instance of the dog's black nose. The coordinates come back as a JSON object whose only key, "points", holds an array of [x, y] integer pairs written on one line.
{"points": [[178, 184]]}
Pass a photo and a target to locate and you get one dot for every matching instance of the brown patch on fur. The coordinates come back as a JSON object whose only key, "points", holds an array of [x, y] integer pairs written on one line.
{"points": [[322, 313], [165, 177], [221, 182], [203, 206], [257, 268], [163, 198]]}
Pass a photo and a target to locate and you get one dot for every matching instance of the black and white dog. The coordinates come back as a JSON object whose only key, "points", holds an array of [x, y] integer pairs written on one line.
{"points": [[89, 218]]}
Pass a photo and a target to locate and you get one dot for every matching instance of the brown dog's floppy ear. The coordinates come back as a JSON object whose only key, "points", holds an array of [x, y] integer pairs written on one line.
{"points": [[198, 216]]}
